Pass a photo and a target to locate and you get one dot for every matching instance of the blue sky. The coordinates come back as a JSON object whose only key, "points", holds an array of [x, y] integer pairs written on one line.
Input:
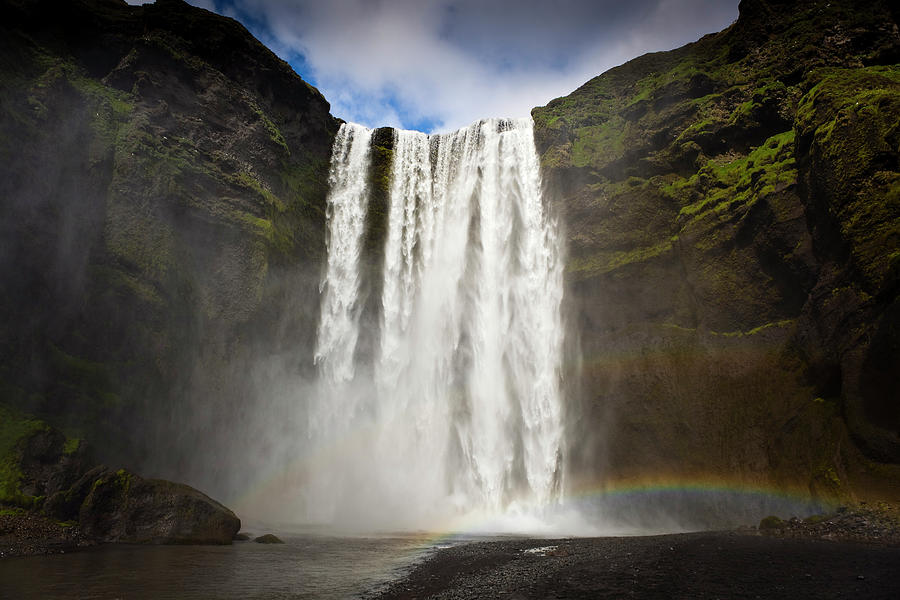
{"points": [[437, 65]]}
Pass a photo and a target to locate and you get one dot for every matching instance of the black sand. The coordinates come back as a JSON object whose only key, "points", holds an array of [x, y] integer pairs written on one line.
{"points": [[695, 565]]}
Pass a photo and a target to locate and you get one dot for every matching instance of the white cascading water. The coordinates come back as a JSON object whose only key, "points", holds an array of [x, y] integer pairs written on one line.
{"points": [[460, 410]]}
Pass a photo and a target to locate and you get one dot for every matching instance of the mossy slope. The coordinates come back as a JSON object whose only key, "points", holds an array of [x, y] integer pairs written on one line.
{"points": [[162, 184], [732, 213]]}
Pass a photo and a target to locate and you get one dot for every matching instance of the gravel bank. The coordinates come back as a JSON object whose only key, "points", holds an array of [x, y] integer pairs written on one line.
{"points": [[693, 565], [30, 534]]}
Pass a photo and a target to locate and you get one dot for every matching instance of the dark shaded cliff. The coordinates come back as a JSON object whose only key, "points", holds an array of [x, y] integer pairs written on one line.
{"points": [[733, 211], [162, 186]]}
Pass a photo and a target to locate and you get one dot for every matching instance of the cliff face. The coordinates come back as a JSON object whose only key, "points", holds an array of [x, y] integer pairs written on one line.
{"points": [[162, 184], [733, 211], [732, 208]]}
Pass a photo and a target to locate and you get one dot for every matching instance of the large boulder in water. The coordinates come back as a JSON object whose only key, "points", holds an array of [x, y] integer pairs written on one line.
{"points": [[124, 507]]}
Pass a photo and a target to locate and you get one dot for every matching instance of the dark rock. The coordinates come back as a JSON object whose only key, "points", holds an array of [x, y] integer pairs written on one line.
{"points": [[123, 507], [66, 504], [268, 539], [242, 537]]}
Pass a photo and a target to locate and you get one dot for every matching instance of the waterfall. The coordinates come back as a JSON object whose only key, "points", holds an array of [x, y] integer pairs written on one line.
{"points": [[459, 409]]}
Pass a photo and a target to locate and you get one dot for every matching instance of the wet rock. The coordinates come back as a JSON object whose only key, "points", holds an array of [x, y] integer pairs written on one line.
{"points": [[242, 537], [268, 539], [124, 507], [879, 523]]}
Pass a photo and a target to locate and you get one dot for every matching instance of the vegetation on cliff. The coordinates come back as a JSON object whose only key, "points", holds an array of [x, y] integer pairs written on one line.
{"points": [[163, 191], [733, 210]]}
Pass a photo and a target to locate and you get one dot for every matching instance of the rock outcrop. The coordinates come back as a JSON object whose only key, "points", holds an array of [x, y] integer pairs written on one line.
{"points": [[734, 237], [123, 507], [46, 473]]}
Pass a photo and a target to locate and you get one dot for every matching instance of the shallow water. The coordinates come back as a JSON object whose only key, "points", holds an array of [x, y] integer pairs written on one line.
{"points": [[308, 566]]}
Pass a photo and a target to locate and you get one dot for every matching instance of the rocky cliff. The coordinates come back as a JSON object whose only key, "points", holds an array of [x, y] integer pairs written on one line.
{"points": [[733, 212], [162, 185]]}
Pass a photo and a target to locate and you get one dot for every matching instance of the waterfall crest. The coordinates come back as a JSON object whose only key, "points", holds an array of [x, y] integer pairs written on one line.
{"points": [[459, 410]]}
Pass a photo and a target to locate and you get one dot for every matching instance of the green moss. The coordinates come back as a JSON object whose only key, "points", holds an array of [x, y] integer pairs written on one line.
{"points": [[815, 519], [297, 229], [123, 480], [599, 144], [829, 476], [249, 181], [598, 264], [694, 129], [108, 107], [124, 283], [771, 522], [759, 329], [71, 446], [851, 120], [728, 180], [274, 133], [258, 225], [15, 428]]}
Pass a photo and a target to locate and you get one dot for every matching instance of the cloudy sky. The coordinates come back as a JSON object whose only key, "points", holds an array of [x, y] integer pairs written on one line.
{"points": [[437, 65]]}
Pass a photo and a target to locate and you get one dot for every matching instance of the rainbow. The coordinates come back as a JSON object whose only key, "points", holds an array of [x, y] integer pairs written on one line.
{"points": [[666, 503]]}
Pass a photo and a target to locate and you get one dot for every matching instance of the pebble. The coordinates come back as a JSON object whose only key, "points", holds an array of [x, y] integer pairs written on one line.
{"points": [[29, 534]]}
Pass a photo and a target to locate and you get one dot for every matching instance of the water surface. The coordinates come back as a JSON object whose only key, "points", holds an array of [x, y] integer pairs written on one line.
{"points": [[306, 566]]}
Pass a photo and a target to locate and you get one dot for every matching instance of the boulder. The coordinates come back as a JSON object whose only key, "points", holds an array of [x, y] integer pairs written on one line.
{"points": [[268, 539], [124, 507]]}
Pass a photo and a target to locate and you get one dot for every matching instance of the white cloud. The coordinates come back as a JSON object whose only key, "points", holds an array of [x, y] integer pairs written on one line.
{"points": [[451, 62]]}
